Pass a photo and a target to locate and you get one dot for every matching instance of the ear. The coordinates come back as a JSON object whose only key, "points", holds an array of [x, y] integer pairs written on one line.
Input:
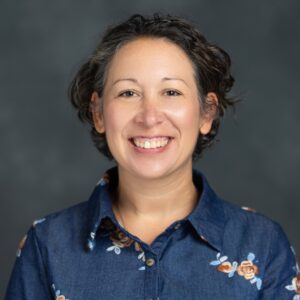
{"points": [[209, 116], [97, 113]]}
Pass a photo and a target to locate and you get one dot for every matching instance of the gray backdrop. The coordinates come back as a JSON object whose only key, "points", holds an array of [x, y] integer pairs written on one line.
{"points": [[47, 159]]}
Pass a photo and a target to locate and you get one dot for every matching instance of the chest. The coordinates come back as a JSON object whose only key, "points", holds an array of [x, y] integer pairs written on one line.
{"points": [[176, 266]]}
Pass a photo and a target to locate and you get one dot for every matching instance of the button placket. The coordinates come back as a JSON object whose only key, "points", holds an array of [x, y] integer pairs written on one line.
{"points": [[151, 276], [150, 262]]}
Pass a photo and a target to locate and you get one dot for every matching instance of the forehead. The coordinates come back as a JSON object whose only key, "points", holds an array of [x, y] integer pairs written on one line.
{"points": [[157, 57]]}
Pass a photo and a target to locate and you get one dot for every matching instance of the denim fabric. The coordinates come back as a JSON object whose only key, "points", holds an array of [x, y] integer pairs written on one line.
{"points": [[218, 251]]}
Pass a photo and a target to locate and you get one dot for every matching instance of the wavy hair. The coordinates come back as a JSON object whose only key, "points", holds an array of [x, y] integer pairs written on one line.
{"points": [[211, 67]]}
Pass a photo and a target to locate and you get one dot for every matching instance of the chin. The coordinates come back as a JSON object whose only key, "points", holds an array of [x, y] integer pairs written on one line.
{"points": [[152, 171]]}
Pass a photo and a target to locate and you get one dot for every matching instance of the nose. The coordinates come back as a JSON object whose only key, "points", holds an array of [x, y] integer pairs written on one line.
{"points": [[150, 112]]}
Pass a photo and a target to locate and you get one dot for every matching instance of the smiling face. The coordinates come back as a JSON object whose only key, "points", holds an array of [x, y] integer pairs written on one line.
{"points": [[150, 91]]}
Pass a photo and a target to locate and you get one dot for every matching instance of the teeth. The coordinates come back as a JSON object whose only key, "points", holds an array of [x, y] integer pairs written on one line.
{"points": [[151, 143]]}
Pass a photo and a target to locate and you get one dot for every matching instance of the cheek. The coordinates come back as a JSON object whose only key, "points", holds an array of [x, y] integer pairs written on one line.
{"points": [[188, 117], [114, 118], [115, 121]]}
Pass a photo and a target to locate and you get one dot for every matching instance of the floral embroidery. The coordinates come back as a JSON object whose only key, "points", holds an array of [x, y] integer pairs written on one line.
{"points": [[248, 208], [58, 295], [121, 240], [246, 268], [295, 284], [21, 245], [23, 240], [35, 222], [104, 180]]}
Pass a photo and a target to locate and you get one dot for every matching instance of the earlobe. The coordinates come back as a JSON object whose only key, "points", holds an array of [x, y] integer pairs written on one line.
{"points": [[97, 113], [209, 116], [205, 127]]}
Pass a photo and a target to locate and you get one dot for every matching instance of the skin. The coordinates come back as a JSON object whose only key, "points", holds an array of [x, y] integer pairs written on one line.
{"points": [[160, 98]]}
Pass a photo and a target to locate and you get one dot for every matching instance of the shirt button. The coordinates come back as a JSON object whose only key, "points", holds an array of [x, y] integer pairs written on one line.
{"points": [[150, 262], [177, 226]]}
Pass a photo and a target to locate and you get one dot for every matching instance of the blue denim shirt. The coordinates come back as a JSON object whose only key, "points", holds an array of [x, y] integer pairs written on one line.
{"points": [[218, 251]]}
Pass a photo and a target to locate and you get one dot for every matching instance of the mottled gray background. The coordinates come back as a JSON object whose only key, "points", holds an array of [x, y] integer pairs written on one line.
{"points": [[47, 159]]}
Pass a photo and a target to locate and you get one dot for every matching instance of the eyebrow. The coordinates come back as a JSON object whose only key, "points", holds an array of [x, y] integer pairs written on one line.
{"points": [[136, 81]]}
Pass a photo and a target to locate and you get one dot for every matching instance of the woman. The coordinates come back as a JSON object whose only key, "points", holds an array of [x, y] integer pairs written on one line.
{"points": [[154, 92]]}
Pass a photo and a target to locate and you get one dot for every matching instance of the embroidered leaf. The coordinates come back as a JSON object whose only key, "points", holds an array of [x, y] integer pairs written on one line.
{"points": [[223, 258], [142, 268], [110, 248], [91, 244], [215, 262], [231, 274], [258, 283], [35, 222], [18, 253], [297, 268], [290, 287], [218, 255], [141, 255], [296, 297], [251, 256], [253, 280], [117, 250]]}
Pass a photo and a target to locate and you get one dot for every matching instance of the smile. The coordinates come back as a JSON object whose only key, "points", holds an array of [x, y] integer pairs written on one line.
{"points": [[150, 143]]}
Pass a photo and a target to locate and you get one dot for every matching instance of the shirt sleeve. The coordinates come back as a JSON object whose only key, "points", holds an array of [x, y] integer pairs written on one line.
{"points": [[281, 273], [28, 279]]}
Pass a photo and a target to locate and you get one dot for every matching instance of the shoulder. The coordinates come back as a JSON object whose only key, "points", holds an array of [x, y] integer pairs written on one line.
{"points": [[246, 217], [67, 218], [60, 229], [250, 231]]}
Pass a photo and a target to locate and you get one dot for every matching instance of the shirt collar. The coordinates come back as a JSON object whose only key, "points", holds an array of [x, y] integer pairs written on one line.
{"points": [[207, 218]]}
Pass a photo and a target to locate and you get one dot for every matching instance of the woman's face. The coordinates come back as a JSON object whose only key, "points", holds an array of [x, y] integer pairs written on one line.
{"points": [[150, 91]]}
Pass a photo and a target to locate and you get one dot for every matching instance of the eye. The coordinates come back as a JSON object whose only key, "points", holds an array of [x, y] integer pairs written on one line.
{"points": [[173, 93], [128, 93]]}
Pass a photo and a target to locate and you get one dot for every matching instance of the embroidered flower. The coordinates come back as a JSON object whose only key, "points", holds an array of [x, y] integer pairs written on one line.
{"points": [[295, 284], [58, 295], [246, 268], [226, 267], [21, 245], [121, 240]]}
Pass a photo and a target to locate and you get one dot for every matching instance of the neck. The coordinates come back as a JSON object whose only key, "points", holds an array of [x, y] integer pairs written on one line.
{"points": [[172, 197]]}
